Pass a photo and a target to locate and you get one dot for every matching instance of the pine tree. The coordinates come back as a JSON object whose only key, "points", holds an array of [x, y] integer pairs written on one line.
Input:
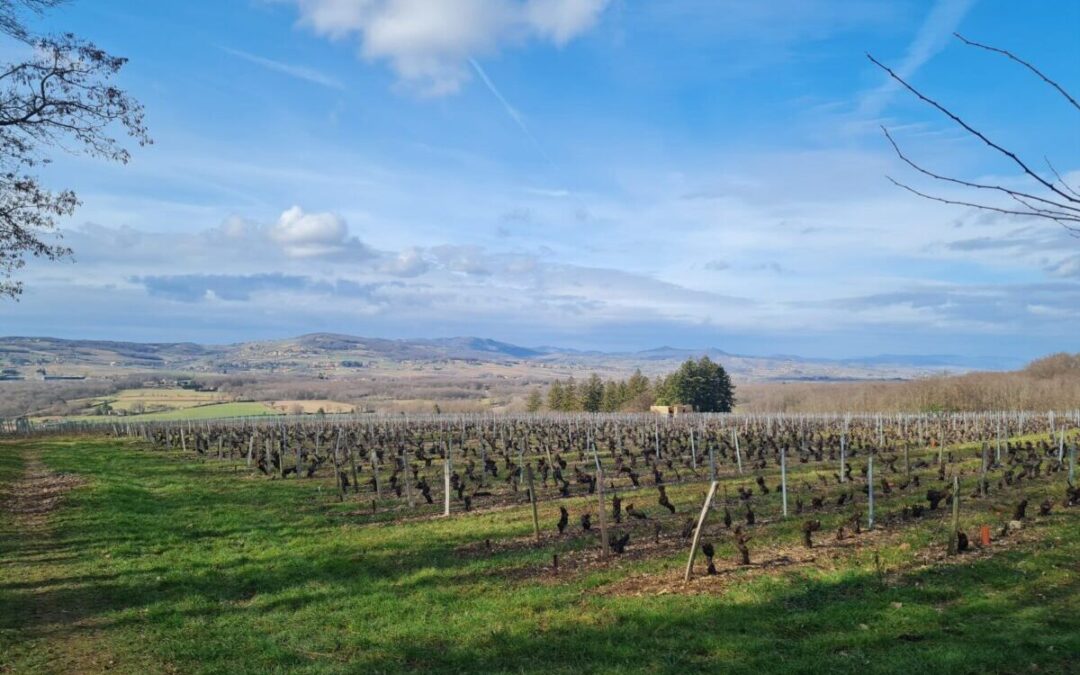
{"points": [[571, 396], [534, 401], [556, 397], [592, 394]]}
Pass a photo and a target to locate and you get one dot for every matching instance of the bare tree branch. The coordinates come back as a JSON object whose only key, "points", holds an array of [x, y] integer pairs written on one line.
{"points": [[1059, 178], [1073, 229], [980, 186], [975, 132], [1022, 62]]}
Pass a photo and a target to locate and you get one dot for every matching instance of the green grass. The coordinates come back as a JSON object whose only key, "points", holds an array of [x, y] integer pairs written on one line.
{"points": [[164, 563], [212, 411]]}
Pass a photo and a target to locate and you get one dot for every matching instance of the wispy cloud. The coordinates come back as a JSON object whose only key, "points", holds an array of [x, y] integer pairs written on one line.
{"points": [[292, 70], [933, 35]]}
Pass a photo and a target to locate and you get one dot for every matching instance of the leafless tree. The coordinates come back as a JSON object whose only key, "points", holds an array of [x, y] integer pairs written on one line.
{"points": [[1050, 197], [61, 97]]}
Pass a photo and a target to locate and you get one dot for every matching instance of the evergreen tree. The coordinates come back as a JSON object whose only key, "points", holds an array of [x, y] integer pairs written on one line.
{"points": [[610, 401], [592, 394], [637, 385], [534, 401], [703, 384], [556, 397], [571, 396]]}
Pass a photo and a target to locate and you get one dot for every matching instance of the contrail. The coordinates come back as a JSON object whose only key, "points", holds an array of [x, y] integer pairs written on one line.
{"points": [[510, 110]]}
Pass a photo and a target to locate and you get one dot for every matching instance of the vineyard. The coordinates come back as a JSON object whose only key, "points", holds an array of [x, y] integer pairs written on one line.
{"points": [[835, 474], [625, 506]]}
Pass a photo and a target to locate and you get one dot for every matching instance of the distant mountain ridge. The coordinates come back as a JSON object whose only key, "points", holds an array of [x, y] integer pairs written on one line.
{"points": [[316, 352]]}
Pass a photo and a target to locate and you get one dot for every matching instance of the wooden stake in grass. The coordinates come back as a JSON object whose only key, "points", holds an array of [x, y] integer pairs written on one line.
{"points": [[697, 530]]}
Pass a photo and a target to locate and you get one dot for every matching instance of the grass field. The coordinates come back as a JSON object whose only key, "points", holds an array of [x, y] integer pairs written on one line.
{"points": [[157, 562], [165, 398], [209, 411]]}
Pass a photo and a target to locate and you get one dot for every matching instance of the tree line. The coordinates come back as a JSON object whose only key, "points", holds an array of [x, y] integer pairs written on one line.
{"points": [[701, 383]]}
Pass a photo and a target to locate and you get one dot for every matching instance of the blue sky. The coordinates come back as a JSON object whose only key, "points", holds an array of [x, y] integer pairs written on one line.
{"points": [[609, 174]]}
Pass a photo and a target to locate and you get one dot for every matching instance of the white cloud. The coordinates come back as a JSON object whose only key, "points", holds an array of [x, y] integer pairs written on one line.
{"points": [[303, 235], [408, 263], [561, 20], [428, 44]]}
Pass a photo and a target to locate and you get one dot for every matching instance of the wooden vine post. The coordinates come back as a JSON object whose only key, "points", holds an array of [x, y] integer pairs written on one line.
{"points": [[843, 457], [985, 468], [697, 530], [375, 473], [738, 454], [408, 486], [870, 490], [446, 483], [532, 499], [600, 496], [352, 468], [337, 469], [783, 477], [954, 542]]}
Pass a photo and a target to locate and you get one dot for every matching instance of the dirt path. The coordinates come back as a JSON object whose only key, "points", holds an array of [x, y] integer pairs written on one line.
{"points": [[60, 639]]}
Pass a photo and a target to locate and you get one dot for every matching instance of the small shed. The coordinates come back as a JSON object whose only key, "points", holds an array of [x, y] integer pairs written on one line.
{"points": [[672, 410]]}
